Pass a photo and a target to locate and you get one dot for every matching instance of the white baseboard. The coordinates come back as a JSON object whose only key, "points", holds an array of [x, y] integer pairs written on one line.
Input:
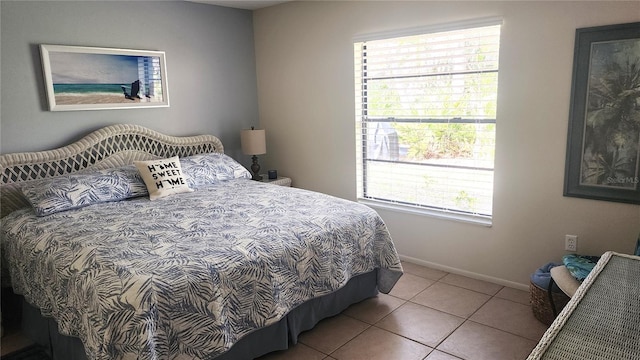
{"points": [[466, 273]]}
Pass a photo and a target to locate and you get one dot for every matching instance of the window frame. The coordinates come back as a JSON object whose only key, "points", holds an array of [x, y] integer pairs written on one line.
{"points": [[362, 121]]}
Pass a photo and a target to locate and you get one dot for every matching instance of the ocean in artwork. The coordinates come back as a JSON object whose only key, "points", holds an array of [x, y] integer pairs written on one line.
{"points": [[88, 89], [71, 94]]}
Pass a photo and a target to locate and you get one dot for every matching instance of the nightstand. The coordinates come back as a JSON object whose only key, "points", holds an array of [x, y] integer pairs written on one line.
{"points": [[281, 180]]}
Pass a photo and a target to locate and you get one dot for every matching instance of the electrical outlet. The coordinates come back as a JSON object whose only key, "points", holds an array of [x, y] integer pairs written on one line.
{"points": [[571, 242]]}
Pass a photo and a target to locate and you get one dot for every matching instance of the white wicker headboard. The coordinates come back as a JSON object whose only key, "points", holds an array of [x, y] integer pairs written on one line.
{"points": [[111, 146]]}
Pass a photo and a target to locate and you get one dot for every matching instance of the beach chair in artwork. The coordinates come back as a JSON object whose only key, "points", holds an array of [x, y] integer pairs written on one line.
{"points": [[135, 89]]}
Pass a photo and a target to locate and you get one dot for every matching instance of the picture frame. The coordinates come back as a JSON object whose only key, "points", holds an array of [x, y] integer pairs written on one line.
{"points": [[603, 142], [94, 78]]}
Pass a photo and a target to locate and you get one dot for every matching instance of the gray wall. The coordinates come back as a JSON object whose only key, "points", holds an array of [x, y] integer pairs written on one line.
{"points": [[210, 66]]}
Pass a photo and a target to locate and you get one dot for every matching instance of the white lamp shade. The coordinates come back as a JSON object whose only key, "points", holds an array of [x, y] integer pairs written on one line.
{"points": [[253, 142]]}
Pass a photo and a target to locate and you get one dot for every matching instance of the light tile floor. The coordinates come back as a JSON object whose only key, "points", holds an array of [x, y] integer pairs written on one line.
{"points": [[429, 315]]}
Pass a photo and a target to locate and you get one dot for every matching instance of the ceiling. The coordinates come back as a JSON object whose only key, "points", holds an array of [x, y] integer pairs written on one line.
{"points": [[242, 4]]}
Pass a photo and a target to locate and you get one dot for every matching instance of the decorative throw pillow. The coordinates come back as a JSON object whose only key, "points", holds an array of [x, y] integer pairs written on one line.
{"points": [[60, 193], [163, 177], [204, 169]]}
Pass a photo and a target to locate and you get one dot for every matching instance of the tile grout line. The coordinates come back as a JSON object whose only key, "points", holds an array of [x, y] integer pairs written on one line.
{"points": [[462, 323], [465, 319], [405, 301]]}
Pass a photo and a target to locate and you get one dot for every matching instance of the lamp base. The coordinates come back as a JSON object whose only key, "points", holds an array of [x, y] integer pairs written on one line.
{"points": [[255, 167]]}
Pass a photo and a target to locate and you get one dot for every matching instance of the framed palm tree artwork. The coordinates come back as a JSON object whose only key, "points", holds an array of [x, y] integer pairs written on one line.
{"points": [[603, 147]]}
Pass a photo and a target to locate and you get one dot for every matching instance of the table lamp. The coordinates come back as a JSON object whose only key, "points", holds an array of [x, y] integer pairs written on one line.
{"points": [[254, 143]]}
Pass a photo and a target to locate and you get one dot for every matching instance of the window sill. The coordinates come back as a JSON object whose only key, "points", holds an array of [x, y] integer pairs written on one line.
{"points": [[445, 215]]}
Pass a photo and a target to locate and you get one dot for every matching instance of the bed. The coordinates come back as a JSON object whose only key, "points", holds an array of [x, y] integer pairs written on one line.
{"points": [[229, 268]]}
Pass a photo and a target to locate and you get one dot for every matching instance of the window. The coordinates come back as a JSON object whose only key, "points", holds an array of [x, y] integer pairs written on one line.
{"points": [[426, 120]]}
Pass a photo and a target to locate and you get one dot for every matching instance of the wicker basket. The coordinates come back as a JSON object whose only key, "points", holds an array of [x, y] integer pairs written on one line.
{"points": [[542, 307]]}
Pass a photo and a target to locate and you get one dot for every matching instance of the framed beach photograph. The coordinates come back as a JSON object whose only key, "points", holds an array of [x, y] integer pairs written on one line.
{"points": [[603, 145], [92, 78]]}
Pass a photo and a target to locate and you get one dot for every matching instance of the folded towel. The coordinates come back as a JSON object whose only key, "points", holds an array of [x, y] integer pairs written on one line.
{"points": [[580, 265], [542, 276]]}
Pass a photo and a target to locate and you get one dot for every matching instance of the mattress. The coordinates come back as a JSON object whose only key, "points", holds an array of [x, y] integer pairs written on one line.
{"points": [[190, 275]]}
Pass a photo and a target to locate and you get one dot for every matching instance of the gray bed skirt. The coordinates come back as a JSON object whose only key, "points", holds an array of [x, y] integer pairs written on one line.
{"points": [[278, 336]]}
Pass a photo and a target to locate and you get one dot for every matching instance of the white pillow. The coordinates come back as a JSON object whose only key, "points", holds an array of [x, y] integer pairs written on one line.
{"points": [[163, 177]]}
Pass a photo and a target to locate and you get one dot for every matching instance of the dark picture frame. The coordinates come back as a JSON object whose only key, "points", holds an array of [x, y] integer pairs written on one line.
{"points": [[93, 78], [603, 145]]}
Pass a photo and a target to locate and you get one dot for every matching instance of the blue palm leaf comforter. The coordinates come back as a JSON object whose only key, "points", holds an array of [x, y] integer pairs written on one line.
{"points": [[189, 275]]}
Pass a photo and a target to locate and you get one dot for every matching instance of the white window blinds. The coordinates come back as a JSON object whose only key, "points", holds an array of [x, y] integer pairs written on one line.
{"points": [[426, 119]]}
